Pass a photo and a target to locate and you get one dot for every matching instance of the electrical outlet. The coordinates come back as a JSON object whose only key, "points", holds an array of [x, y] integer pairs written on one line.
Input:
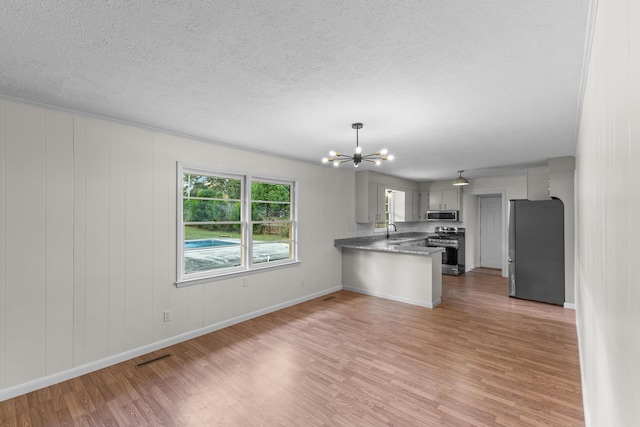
{"points": [[168, 316], [302, 283], [245, 283]]}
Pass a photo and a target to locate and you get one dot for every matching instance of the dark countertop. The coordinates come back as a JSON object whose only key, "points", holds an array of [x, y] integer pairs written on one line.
{"points": [[403, 243]]}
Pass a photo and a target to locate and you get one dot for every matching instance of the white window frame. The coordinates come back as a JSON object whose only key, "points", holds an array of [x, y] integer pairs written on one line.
{"points": [[250, 222], [246, 222]]}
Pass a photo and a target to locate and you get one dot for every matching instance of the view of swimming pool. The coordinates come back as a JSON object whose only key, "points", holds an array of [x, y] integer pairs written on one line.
{"points": [[212, 254], [206, 243]]}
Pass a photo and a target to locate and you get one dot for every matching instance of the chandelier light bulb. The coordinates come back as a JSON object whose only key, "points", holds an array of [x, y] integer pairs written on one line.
{"points": [[336, 163], [378, 162], [358, 150], [384, 151], [325, 160], [332, 153], [390, 157]]}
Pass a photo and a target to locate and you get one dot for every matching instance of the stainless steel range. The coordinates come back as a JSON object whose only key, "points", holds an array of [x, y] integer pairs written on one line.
{"points": [[452, 240]]}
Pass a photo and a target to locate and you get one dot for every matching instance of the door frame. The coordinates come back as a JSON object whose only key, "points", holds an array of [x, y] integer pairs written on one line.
{"points": [[475, 228], [502, 251]]}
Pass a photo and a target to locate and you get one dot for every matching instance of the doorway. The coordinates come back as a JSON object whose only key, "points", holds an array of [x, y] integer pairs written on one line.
{"points": [[490, 208]]}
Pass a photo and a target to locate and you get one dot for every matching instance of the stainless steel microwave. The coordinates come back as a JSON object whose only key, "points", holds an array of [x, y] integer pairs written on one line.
{"points": [[443, 216]]}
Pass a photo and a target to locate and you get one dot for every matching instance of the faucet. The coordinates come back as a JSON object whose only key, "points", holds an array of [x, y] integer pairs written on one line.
{"points": [[394, 229]]}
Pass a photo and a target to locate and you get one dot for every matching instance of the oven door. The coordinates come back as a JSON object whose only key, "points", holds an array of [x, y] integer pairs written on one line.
{"points": [[450, 256], [450, 260]]}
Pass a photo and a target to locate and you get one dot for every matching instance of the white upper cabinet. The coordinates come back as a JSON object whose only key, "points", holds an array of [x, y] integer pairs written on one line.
{"points": [[369, 200], [424, 205], [372, 189], [444, 199], [413, 206], [375, 204]]}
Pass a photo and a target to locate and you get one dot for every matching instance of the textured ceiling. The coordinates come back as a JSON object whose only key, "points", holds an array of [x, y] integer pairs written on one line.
{"points": [[486, 86]]}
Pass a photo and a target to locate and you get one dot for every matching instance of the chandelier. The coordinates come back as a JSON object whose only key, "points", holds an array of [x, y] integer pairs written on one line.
{"points": [[376, 158]]}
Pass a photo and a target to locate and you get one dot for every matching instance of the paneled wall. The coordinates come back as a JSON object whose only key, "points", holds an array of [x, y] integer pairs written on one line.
{"points": [[88, 231], [608, 230]]}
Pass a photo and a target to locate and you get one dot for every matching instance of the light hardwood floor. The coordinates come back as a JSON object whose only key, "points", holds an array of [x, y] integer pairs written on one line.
{"points": [[480, 358]]}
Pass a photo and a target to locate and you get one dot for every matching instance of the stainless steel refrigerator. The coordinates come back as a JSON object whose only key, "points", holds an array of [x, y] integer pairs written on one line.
{"points": [[536, 250]]}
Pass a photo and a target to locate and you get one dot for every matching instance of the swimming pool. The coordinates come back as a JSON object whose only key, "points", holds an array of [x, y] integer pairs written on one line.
{"points": [[212, 254], [207, 243]]}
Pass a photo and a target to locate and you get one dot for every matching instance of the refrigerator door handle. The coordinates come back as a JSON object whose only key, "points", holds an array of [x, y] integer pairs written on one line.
{"points": [[512, 278]]}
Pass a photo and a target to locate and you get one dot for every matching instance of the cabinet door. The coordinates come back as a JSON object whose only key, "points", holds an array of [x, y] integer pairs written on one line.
{"points": [[435, 200], [451, 199], [408, 206], [415, 208], [372, 202], [424, 205], [375, 202], [380, 209]]}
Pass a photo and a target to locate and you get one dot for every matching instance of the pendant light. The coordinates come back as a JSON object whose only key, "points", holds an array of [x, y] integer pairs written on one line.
{"points": [[376, 158], [460, 180]]}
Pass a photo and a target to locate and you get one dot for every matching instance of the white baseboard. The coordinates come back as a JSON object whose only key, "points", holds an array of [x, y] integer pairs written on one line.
{"points": [[20, 389], [394, 298], [585, 402], [570, 305]]}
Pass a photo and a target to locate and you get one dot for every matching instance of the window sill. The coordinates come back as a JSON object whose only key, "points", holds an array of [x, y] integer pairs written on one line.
{"points": [[234, 274]]}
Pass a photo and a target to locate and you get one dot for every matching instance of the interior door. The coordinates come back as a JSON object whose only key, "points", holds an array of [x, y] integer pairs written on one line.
{"points": [[491, 231]]}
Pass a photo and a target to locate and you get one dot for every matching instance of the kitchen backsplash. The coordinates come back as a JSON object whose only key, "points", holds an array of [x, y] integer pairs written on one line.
{"points": [[403, 227]]}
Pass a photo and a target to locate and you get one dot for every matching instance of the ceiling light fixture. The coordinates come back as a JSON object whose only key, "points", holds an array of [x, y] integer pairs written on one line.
{"points": [[460, 180], [376, 158]]}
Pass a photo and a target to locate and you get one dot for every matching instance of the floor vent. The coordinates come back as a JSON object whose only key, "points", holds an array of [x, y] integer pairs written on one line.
{"points": [[140, 365], [327, 299]]}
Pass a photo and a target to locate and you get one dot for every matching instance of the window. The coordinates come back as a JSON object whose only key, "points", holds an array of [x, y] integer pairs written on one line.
{"points": [[271, 221], [395, 206], [231, 223], [394, 209]]}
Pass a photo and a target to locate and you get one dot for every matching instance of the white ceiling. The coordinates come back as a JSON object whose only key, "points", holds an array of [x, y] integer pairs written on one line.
{"points": [[488, 86]]}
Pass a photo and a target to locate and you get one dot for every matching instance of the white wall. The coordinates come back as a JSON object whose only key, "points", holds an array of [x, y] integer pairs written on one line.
{"points": [[88, 225], [608, 230], [562, 186], [392, 182]]}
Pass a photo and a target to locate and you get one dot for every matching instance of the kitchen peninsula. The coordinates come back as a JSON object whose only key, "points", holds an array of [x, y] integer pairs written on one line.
{"points": [[403, 268]]}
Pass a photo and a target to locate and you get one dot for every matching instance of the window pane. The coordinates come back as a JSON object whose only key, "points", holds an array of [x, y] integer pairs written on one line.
{"points": [[197, 210], [270, 192], [270, 251], [380, 226], [270, 211], [271, 242], [210, 186], [211, 231], [271, 231], [211, 247]]}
